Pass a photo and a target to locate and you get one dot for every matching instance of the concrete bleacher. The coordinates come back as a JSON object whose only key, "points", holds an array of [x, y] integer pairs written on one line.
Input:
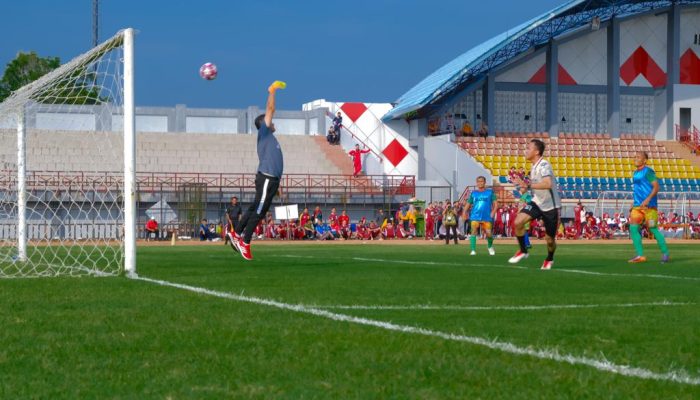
{"points": [[165, 152], [587, 163]]}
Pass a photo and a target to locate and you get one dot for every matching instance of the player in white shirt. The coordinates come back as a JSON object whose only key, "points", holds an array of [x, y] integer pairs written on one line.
{"points": [[545, 203]]}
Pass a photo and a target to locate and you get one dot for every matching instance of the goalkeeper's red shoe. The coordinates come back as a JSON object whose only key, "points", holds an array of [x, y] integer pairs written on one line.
{"points": [[547, 265], [234, 241], [517, 257], [245, 250]]}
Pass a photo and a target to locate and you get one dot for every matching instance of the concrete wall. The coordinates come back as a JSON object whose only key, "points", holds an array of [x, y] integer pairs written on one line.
{"points": [[687, 96], [448, 164], [168, 119]]}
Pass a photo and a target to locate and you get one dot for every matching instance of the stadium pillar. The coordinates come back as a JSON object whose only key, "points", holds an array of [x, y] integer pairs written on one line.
{"points": [[673, 66], [488, 103], [614, 78], [552, 97]]}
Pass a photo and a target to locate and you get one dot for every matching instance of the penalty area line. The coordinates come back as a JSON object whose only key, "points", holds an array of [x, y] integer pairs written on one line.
{"points": [[506, 347], [435, 307]]}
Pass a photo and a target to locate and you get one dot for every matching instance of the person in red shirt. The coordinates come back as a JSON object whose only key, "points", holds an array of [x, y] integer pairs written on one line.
{"points": [[281, 230], [304, 217], [604, 230], [357, 159], [498, 223], [590, 230], [361, 229], [344, 218], [151, 228], [570, 231], [577, 218], [269, 226], [429, 222], [513, 211], [333, 217], [374, 231], [388, 232], [318, 215], [344, 229]]}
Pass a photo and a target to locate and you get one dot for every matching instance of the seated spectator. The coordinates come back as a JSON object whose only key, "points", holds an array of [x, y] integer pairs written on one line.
{"points": [[512, 174], [570, 231], [483, 131], [591, 230], [467, 129], [388, 232], [374, 231], [344, 229], [309, 230], [332, 137], [281, 230], [323, 231], [204, 230], [335, 228], [152, 229], [213, 235], [318, 215]]}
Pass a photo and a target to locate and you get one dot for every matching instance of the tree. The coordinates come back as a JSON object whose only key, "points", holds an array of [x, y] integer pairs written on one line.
{"points": [[24, 69]]}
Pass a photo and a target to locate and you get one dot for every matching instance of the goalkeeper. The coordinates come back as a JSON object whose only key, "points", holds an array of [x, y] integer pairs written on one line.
{"points": [[267, 179]]}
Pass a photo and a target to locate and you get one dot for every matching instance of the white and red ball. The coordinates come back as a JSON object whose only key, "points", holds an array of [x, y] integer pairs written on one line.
{"points": [[208, 71]]}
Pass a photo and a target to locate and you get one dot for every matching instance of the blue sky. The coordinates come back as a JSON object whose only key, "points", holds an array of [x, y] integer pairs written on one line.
{"points": [[371, 51]]}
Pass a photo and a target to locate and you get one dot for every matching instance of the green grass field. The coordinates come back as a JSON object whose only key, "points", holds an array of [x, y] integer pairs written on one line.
{"points": [[360, 321]]}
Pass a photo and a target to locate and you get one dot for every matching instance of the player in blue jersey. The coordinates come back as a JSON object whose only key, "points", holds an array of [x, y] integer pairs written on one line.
{"points": [[644, 209], [482, 205]]}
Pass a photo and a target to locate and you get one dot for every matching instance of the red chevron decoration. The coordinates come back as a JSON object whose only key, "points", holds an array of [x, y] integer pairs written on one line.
{"points": [[641, 63], [690, 68], [564, 78], [354, 110]]}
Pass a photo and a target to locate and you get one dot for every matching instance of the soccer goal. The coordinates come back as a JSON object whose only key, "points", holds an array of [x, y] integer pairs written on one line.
{"points": [[67, 168]]}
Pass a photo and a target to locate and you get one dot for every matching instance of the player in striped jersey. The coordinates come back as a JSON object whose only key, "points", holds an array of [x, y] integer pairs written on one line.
{"points": [[545, 203]]}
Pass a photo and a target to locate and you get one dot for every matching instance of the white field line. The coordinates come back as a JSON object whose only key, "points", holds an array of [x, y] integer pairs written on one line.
{"points": [[420, 307], [555, 269], [408, 262], [544, 354], [655, 276]]}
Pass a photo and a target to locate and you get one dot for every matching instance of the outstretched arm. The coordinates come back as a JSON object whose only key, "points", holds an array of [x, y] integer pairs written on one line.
{"points": [[270, 108]]}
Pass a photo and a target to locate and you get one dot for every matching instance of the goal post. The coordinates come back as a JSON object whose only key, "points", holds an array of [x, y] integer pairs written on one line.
{"points": [[67, 168]]}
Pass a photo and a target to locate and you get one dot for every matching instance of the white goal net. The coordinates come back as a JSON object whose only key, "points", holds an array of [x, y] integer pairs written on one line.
{"points": [[63, 168]]}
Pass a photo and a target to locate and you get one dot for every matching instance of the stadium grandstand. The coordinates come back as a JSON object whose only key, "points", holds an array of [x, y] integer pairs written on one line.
{"points": [[596, 80]]}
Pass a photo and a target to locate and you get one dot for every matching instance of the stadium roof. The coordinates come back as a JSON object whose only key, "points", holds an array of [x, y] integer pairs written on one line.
{"points": [[428, 95]]}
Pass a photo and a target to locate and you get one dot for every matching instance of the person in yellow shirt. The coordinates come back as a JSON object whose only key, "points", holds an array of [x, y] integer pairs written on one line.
{"points": [[467, 129]]}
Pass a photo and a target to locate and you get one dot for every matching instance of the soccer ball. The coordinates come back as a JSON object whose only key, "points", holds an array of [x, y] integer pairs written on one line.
{"points": [[208, 71]]}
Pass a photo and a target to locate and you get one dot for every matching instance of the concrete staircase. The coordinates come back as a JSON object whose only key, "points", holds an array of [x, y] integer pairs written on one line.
{"points": [[335, 154], [682, 151]]}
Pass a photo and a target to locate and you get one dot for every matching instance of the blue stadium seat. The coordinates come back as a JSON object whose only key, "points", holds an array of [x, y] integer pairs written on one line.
{"points": [[594, 195], [578, 181], [596, 181], [570, 181], [503, 179], [586, 181]]}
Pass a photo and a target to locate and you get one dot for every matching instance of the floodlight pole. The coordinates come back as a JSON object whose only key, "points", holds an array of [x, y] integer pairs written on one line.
{"points": [[129, 157], [21, 188], [95, 22]]}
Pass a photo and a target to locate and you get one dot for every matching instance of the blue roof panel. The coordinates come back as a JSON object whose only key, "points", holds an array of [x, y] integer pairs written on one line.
{"points": [[441, 80]]}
